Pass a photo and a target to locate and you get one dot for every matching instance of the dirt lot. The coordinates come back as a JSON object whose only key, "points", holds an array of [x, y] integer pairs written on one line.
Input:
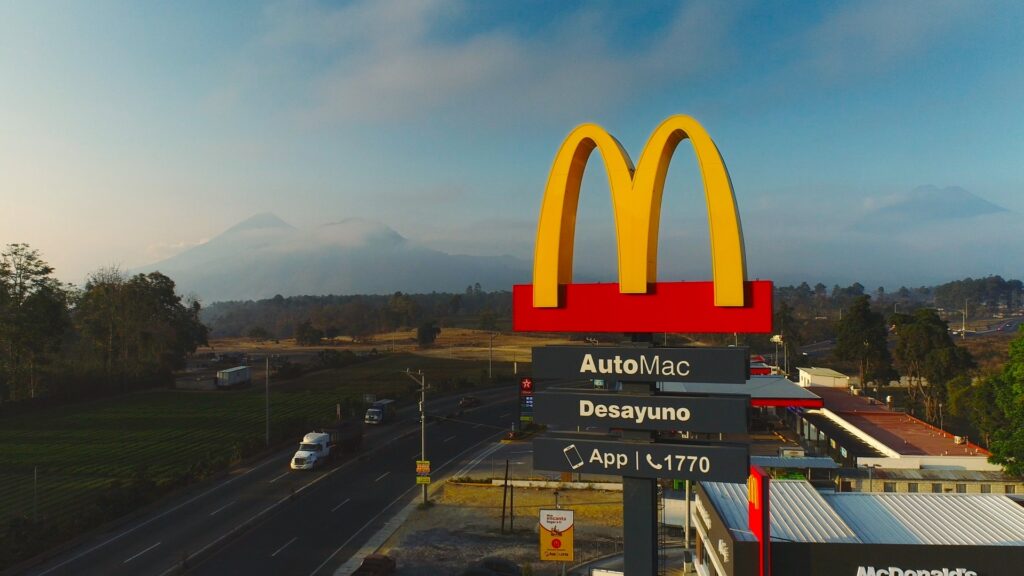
{"points": [[465, 525]]}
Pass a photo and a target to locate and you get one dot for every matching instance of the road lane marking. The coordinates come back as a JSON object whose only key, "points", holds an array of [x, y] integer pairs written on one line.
{"points": [[449, 438], [287, 544], [340, 505], [279, 477], [154, 519], [477, 426], [381, 477], [223, 507], [141, 553], [404, 495], [256, 516], [505, 415]]}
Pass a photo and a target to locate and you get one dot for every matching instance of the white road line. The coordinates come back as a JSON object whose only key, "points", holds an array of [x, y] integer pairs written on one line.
{"points": [[279, 477], [223, 507], [153, 519], [505, 415], [392, 503], [477, 426], [449, 438], [141, 553], [287, 544], [381, 477], [340, 505], [238, 527]]}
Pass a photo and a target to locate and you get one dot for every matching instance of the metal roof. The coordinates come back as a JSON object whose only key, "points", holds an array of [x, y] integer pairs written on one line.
{"points": [[815, 462], [928, 474], [854, 445], [763, 390], [816, 371], [966, 519], [798, 512]]}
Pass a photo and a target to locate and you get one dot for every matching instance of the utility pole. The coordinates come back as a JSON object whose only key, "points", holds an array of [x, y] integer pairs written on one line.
{"points": [[268, 399], [421, 379], [963, 323], [490, 355]]}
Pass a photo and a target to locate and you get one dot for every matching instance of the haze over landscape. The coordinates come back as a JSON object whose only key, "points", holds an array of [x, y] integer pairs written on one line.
{"points": [[256, 287], [870, 141]]}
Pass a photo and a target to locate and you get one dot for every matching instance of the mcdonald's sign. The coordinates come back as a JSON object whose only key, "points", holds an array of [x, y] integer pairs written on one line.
{"points": [[728, 303]]}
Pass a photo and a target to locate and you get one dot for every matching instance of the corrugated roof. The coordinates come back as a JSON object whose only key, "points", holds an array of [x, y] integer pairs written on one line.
{"points": [[815, 371], [966, 519], [815, 462], [798, 512], [928, 474], [854, 445], [759, 388]]}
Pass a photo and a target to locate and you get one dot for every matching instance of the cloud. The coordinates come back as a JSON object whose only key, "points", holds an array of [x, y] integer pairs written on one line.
{"points": [[162, 250], [375, 61], [877, 35]]}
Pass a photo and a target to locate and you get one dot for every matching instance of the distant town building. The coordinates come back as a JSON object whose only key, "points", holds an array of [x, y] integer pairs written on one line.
{"points": [[859, 431], [829, 534], [814, 376]]}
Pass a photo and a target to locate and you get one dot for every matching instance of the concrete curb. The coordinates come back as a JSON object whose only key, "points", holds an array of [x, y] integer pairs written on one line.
{"points": [[377, 541]]}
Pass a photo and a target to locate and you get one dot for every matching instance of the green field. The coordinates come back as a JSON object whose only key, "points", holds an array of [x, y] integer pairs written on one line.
{"points": [[88, 454]]}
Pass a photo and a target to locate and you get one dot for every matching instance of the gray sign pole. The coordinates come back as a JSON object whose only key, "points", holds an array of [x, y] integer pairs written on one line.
{"points": [[639, 507]]}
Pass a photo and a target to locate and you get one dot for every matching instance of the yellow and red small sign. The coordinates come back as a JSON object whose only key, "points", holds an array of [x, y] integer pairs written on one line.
{"points": [[556, 529], [423, 471]]}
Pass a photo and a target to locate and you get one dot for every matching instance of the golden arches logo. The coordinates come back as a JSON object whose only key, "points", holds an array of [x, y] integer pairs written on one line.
{"points": [[636, 201], [729, 303]]}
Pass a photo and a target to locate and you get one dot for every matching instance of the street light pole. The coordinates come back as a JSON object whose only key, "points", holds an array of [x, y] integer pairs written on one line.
{"points": [[490, 355], [267, 402], [422, 381]]}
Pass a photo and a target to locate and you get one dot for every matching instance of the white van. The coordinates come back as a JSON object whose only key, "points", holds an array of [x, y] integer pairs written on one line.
{"points": [[312, 452]]}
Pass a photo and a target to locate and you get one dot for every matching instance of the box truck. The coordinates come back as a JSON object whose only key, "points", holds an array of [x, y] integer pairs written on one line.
{"points": [[234, 377], [381, 412]]}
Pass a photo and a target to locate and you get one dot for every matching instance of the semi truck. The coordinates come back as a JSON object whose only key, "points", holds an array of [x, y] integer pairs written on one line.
{"points": [[324, 444], [234, 377], [381, 412]]}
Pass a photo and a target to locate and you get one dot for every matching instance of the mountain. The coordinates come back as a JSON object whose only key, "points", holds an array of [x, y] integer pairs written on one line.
{"points": [[264, 256], [924, 205]]}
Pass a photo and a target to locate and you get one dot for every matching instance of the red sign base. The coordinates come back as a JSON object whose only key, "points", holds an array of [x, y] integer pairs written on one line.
{"points": [[667, 307]]}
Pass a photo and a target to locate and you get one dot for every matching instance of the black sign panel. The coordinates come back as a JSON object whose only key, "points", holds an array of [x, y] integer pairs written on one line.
{"points": [[712, 365], [718, 462], [725, 414]]}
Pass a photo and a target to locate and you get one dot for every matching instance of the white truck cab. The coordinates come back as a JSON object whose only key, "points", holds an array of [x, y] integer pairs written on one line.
{"points": [[312, 452]]}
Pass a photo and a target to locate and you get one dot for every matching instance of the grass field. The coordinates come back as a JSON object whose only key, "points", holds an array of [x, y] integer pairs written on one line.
{"points": [[171, 437]]}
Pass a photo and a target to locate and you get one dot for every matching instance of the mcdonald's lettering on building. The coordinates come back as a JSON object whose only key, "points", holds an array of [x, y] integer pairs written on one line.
{"points": [[639, 303]]}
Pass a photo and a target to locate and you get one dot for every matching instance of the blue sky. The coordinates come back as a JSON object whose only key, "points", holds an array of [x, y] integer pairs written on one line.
{"points": [[132, 131]]}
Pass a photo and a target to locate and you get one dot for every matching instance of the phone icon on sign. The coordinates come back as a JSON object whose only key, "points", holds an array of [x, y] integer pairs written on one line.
{"points": [[573, 456], [650, 462]]}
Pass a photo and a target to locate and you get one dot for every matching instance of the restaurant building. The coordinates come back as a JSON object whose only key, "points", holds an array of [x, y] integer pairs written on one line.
{"points": [[860, 534]]}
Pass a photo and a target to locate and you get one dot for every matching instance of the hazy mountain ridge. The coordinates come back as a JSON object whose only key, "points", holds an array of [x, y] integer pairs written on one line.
{"points": [[264, 256]]}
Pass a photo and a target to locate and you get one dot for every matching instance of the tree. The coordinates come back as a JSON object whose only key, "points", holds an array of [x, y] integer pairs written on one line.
{"points": [[488, 320], [861, 336], [258, 333], [33, 318], [138, 327], [427, 333], [925, 352], [1008, 440], [307, 335]]}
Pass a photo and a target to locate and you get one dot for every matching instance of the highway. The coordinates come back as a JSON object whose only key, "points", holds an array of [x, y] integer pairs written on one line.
{"points": [[268, 519]]}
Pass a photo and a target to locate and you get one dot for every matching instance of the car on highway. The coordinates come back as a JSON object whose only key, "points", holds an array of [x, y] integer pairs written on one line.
{"points": [[469, 402]]}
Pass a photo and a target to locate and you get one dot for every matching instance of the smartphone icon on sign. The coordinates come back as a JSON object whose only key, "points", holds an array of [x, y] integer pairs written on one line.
{"points": [[573, 456]]}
